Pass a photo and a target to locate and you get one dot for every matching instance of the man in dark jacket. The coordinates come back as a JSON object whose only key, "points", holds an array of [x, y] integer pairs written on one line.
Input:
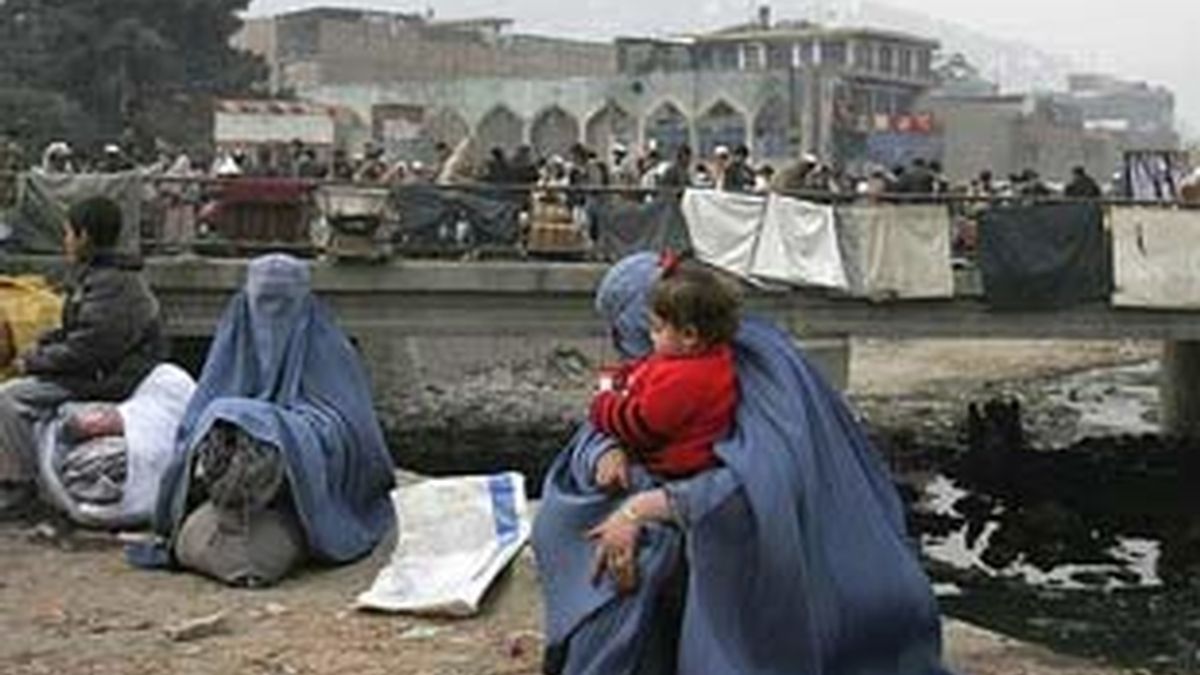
{"points": [[110, 339], [739, 177], [679, 175], [1082, 186]]}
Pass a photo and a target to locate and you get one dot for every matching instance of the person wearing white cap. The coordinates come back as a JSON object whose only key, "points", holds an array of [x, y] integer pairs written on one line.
{"points": [[57, 158], [795, 177], [720, 164], [624, 167], [226, 166], [114, 161]]}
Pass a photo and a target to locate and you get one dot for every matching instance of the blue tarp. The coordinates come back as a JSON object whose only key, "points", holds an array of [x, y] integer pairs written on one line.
{"points": [[281, 370], [796, 549]]}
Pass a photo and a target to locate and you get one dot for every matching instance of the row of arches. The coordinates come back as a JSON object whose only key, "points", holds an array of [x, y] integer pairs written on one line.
{"points": [[554, 130]]}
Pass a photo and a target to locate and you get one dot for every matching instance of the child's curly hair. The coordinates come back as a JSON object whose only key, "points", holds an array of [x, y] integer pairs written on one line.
{"points": [[689, 295]]}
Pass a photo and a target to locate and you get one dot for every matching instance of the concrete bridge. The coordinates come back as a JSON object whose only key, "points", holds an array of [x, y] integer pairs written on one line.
{"points": [[387, 306]]}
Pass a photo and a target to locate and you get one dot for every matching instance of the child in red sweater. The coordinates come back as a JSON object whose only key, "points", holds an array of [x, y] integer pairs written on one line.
{"points": [[670, 408]]}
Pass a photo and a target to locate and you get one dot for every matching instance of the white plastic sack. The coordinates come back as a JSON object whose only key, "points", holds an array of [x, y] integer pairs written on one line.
{"points": [[456, 535], [151, 417]]}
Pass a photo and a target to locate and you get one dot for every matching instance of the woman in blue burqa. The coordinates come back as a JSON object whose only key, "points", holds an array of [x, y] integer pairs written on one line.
{"points": [[791, 558], [280, 456]]}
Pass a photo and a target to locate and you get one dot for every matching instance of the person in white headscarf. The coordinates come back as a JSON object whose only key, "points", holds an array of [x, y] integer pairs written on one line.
{"points": [[58, 158]]}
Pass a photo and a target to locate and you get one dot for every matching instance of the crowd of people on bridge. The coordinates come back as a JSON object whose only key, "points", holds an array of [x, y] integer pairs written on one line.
{"points": [[647, 168]]}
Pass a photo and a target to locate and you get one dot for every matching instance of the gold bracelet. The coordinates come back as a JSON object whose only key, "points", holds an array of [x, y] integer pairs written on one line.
{"points": [[630, 513]]}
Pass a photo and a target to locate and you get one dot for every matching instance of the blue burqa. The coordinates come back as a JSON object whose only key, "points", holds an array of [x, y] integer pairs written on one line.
{"points": [[282, 371], [797, 554]]}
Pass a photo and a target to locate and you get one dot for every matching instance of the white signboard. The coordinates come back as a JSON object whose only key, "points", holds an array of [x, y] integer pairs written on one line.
{"points": [[253, 128]]}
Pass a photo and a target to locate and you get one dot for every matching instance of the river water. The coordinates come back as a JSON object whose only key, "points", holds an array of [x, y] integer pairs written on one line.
{"points": [[1087, 540]]}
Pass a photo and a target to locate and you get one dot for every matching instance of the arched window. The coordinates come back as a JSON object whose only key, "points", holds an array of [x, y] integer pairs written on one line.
{"points": [[500, 128], [554, 131], [446, 126], [721, 125], [609, 126], [667, 127]]}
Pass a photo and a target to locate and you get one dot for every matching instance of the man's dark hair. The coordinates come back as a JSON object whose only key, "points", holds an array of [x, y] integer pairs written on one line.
{"points": [[741, 152], [692, 296], [99, 218]]}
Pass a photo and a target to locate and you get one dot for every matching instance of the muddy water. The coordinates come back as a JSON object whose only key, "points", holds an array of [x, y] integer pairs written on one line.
{"points": [[1090, 545]]}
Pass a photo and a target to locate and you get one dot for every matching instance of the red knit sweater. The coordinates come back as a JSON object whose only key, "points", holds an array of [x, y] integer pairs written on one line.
{"points": [[670, 410]]}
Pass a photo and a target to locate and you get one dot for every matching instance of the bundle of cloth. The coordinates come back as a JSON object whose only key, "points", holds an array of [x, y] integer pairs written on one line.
{"points": [[95, 463], [101, 464], [280, 457]]}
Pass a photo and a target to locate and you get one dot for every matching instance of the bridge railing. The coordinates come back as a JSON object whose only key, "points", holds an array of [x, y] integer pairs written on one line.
{"points": [[245, 216]]}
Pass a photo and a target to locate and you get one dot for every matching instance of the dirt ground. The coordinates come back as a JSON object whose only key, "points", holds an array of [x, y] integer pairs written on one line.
{"points": [[907, 367], [75, 607], [70, 605]]}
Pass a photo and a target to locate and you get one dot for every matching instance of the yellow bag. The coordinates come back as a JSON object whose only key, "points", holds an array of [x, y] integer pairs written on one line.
{"points": [[29, 307]]}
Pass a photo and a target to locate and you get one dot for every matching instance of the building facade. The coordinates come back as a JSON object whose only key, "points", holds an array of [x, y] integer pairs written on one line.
{"points": [[1092, 125], [781, 89]]}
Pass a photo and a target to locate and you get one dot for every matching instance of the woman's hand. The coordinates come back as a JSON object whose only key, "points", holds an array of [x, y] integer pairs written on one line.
{"points": [[616, 541], [612, 471], [616, 538]]}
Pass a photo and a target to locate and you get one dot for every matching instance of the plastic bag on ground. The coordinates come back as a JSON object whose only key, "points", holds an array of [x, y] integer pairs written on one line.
{"points": [[456, 535]]}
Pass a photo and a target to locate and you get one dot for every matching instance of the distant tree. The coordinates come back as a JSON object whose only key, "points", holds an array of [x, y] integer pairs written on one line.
{"points": [[117, 61]]}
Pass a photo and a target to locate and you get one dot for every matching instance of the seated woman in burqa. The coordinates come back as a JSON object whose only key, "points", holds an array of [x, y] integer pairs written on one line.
{"points": [[788, 558], [280, 455]]}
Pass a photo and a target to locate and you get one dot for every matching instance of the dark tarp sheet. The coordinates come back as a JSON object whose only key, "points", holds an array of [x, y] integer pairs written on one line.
{"points": [[624, 227], [436, 215], [1045, 256], [44, 199]]}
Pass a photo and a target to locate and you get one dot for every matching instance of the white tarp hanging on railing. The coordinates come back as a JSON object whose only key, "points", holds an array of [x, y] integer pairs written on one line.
{"points": [[1156, 258], [798, 245], [897, 251], [776, 238]]}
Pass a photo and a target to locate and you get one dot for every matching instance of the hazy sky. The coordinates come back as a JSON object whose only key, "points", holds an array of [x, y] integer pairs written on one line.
{"points": [[1157, 40]]}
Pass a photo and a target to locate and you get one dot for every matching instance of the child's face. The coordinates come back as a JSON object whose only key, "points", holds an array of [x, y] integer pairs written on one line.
{"points": [[672, 340]]}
